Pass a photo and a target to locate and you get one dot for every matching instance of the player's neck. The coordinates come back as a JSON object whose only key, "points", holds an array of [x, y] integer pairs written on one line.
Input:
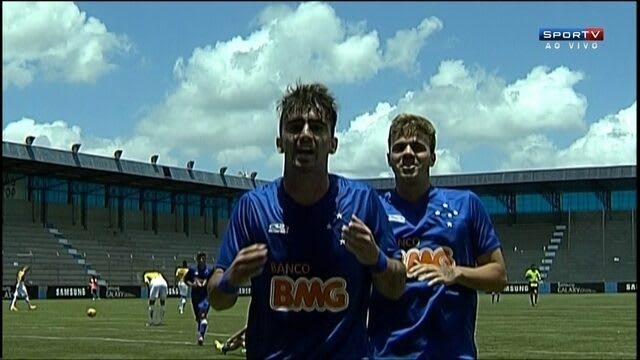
{"points": [[306, 189], [412, 191]]}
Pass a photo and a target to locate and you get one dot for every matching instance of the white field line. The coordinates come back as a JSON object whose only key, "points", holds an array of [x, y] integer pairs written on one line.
{"points": [[555, 352], [94, 339]]}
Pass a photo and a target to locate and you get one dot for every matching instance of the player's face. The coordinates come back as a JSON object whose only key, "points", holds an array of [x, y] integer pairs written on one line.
{"points": [[202, 261], [306, 141], [410, 157]]}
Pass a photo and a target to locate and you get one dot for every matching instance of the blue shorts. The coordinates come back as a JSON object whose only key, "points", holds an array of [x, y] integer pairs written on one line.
{"points": [[200, 306]]}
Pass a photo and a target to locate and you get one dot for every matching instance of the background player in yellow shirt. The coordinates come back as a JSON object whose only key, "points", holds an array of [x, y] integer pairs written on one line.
{"points": [[534, 278], [21, 289], [183, 288], [157, 289]]}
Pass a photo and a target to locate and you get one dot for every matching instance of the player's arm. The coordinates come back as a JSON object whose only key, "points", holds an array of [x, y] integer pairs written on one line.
{"points": [[189, 279], [239, 260], [489, 275], [359, 240], [391, 281], [388, 274], [223, 285]]}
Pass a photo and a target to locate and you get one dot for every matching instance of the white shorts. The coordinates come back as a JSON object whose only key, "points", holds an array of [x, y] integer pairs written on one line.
{"points": [[183, 288], [158, 289], [21, 291]]}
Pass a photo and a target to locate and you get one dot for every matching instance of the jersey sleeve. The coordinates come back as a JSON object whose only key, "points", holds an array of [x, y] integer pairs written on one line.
{"points": [[485, 239], [236, 236], [378, 223]]}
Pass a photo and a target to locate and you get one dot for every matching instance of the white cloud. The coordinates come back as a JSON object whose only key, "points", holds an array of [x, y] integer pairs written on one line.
{"points": [[608, 141], [447, 162], [54, 40], [226, 96], [223, 107], [57, 135], [471, 106], [403, 48], [362, 147], [60, 135], [469, 109]]}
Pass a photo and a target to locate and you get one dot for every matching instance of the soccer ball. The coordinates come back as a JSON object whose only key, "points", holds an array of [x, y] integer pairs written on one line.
{"points": [[91, 312]]}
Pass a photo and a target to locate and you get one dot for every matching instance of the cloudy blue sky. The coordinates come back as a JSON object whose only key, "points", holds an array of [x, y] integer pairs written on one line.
{"points": [[199, 81]]}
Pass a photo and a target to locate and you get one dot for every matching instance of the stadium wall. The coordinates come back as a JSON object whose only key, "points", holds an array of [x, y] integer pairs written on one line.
{"points": [[127, 291]]}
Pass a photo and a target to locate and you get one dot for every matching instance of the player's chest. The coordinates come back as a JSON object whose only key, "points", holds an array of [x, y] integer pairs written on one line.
{"points": [[202, 274], [440, 225], [439, 235], [309, 238]]}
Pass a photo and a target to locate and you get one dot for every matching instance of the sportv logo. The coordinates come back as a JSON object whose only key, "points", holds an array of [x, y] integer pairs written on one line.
{"points": [[575, 38], [571, 34]]}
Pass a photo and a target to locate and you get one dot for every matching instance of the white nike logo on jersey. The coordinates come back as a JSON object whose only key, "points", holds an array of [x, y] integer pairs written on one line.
{"points": [[278, 228]]}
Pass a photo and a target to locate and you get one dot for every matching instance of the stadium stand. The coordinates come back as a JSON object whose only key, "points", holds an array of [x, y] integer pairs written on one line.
{"points": [[593, 244], [524, 243], [30, 244]]}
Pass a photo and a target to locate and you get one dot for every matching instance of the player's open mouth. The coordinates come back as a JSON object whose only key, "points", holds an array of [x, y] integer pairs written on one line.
{"points": [[305, 152], [408, 169]]}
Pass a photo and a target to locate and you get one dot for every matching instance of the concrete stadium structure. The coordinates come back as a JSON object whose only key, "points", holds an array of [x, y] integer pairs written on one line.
{"points": [[71, 215]]}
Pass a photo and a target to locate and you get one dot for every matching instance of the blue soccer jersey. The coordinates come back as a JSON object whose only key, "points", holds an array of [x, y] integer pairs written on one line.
{"points": [[433, 322], [311, 300], [198, 294]]}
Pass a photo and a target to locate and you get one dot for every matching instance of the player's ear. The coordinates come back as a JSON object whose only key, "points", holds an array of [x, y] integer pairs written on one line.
{"points": [[334, 145], [389, 159], [279, 145], [433, 159]]}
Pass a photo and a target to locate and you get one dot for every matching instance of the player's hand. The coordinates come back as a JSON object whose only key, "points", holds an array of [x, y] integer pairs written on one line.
{"points": [[359, 240], [249, 262], [434, 274]]}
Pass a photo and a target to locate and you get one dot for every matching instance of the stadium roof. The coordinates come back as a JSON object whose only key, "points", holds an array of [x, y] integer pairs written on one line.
{"points": [[36, 160], [41, 161], [528, 181]]}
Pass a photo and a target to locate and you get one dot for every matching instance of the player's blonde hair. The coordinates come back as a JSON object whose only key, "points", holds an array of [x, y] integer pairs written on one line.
{"points": [[410, 125]]}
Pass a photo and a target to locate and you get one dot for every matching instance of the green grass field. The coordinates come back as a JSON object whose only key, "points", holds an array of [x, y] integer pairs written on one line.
{"points": [[597, 326]]}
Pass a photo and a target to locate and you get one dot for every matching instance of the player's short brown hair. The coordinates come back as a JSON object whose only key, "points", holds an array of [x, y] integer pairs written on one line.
{"points": [[302, 98], [406, 124]]}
